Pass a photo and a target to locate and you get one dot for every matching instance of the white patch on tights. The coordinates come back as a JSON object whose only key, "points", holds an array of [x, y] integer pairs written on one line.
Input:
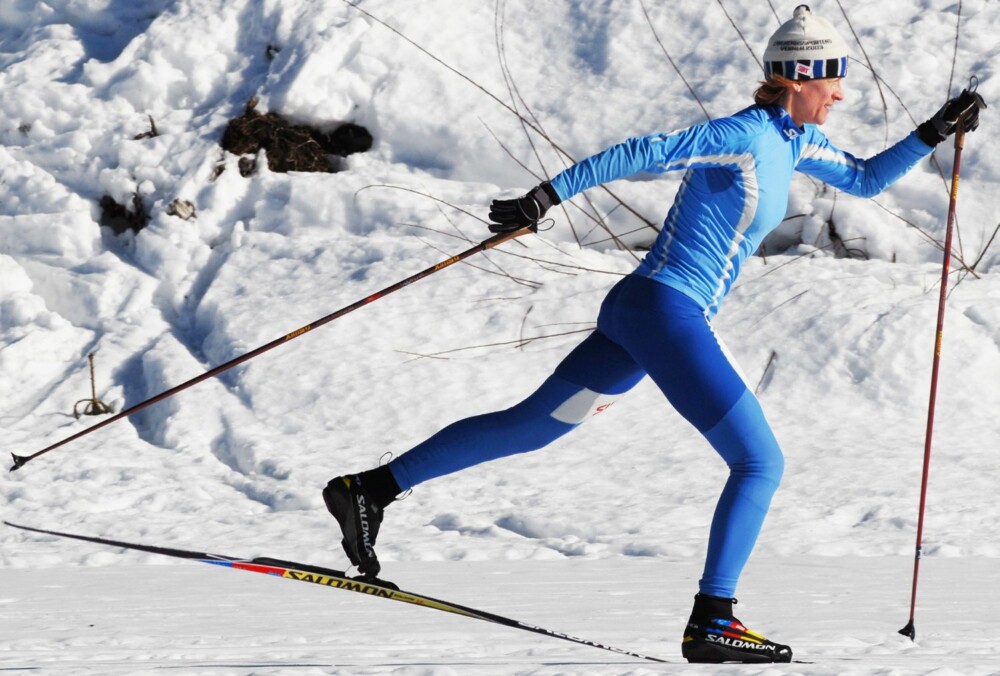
{"points": [[729, 356], [582, 405]]}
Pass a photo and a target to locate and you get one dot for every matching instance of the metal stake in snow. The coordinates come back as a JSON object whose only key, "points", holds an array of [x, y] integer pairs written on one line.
{"points": [[909, 629], [494, 241]]}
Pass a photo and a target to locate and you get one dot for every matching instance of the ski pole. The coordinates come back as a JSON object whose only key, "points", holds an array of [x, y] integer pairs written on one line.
{"points": [[909, 629], [485, 245]]}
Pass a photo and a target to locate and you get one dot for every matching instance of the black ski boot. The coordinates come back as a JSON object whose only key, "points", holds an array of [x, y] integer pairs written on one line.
{"points": [[357, 501], [713, 635], [359, 517]]}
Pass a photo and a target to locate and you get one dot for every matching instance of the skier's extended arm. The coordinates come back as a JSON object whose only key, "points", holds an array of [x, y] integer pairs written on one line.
{"points": [[867, 177], [695, 146]]}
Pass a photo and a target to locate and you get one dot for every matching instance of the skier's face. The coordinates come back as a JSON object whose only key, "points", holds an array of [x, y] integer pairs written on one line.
{"points": [[811, 102]]}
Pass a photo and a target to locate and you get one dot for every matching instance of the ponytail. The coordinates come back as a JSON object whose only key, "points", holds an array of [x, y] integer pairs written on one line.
{"points": [[773, 90]]}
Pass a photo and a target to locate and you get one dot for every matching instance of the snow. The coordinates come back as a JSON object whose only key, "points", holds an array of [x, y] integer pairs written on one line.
{"points": [[129, 618], [601, 535]]}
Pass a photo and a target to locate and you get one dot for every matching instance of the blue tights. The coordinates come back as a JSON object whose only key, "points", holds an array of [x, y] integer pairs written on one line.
{"points": [[644, 328]]}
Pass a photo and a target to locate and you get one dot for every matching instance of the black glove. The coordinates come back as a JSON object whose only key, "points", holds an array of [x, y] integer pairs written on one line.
{"points": [[523, 212], [944, 122]]}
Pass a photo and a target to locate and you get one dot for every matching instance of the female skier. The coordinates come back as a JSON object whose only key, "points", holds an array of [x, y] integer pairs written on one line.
{"points": [[656, 320]]}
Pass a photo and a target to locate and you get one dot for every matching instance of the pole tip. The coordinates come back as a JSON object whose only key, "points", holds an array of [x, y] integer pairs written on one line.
{"points": [[909, 631], [18, 461]]}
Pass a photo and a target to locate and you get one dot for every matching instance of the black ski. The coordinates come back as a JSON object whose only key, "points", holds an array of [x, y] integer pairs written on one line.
{"points": [[339, 580]]}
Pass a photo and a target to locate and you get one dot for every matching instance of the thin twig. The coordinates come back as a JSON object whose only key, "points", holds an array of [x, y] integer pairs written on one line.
{"points": [[440, 204], [885, 106], [541, 262], [777, 307], [989, 243], [515, 96], [774, 11], [687, 84], [767, 368], [501, 273], [493, 96], [797, 258], [518, 343], [566, 205], [524, 322], [923, 233], [954, 54], [742, 37]]}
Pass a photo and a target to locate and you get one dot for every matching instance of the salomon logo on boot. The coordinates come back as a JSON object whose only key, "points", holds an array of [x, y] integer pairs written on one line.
{"points": [[359, 518], [722, 640], [713, 635], [366, 538]]}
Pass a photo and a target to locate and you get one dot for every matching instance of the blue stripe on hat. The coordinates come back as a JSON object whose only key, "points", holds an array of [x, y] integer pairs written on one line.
{"points": [[818, 68]]}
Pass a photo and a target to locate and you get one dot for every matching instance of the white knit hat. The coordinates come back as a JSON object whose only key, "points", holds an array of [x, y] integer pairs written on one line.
{"points": [[806, 48]]}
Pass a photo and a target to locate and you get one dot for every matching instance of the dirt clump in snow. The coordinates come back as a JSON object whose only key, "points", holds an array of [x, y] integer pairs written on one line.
{"points": [[292, 147]]}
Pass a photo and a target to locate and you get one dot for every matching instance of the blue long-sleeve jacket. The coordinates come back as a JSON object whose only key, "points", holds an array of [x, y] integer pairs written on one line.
{"points": [[735, 191]]}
